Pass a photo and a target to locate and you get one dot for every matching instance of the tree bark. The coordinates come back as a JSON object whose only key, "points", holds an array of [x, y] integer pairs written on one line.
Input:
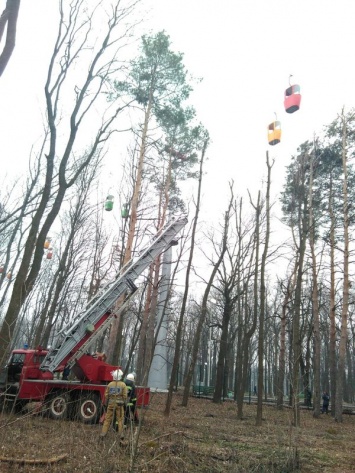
{"points": [[282, 356], [315, 301], [115, 339], [259, 412], [9, 17], [296, 335], [332, 323], [345, 308]]}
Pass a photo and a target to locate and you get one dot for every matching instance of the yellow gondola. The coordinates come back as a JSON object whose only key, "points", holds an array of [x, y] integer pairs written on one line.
{"points": [[274, 133]]}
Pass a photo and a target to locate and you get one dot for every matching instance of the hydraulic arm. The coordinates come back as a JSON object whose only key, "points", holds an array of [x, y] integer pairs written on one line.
{"points": [[73, 341]]}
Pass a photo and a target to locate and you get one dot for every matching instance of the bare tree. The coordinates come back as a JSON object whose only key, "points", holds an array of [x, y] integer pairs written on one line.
{"points": [[263, 296], [14, 221], [288, 291], [60, 173], [79, 231], [186, 289], [230, 290], [247, 315], [295, 200], [222, 247]]}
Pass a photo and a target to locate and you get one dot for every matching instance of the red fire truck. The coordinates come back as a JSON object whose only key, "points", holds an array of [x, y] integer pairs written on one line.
{"points": [[40, 375]]}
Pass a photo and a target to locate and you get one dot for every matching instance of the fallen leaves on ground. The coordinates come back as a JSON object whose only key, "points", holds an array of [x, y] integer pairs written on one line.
{"points": [[202, 437]]}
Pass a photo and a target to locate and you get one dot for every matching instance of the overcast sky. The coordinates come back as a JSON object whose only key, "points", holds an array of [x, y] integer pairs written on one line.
{"points": [[243, 50]]}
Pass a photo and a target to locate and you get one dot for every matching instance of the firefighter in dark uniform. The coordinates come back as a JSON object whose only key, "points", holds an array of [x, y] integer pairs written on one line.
{"points": [[115, 401], [131, 412]]}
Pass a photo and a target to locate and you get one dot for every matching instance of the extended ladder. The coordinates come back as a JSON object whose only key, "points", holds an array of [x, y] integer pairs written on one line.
{"points": [[70, 340]]}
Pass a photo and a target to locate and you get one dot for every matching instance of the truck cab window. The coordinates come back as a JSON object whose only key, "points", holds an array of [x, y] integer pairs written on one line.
{"points": [[15, 367], [38, 359], [17, 358]]}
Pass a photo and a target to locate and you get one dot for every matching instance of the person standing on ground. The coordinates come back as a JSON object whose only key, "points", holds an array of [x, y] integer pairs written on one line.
{"points": [[131, 412], [325, 398], [115, 401]]}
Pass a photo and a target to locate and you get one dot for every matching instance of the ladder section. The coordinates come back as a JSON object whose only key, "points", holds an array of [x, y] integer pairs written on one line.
{"points": [[70, 339], [70, 362]]}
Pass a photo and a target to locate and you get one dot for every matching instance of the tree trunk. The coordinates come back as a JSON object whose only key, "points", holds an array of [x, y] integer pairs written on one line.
{"points": [[141, 365], [247, 335], [115, 339], [296, 335], [282, 357], [315, 302], [259, 412], [240, 329], [175, 367], [222, 354], [8, 17], [344, 313], [202, 318], [256, 289], [332, 324], [150, 341]]}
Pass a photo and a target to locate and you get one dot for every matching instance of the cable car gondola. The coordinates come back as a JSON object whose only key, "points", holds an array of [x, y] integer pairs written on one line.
{"points": [[274, 133], [292, 98], [125, 211], [109, 203]]}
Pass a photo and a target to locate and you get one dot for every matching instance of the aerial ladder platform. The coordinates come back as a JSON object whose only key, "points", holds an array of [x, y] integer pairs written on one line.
{"points": [[74, 340]]}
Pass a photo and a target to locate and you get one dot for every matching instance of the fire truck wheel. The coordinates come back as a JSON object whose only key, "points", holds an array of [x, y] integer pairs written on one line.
{"points": [[89, 408], [58, 405]]}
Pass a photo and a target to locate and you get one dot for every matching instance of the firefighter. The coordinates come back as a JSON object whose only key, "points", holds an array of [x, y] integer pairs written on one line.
{"points": [[115, 401], [131, 412], [100, 356]]}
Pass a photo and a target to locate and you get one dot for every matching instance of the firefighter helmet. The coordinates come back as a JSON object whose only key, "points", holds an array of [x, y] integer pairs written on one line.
{"points": [[117, 375]]}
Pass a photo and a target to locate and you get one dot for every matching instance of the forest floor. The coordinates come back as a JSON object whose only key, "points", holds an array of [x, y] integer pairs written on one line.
{"points": [[203, 437]]}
